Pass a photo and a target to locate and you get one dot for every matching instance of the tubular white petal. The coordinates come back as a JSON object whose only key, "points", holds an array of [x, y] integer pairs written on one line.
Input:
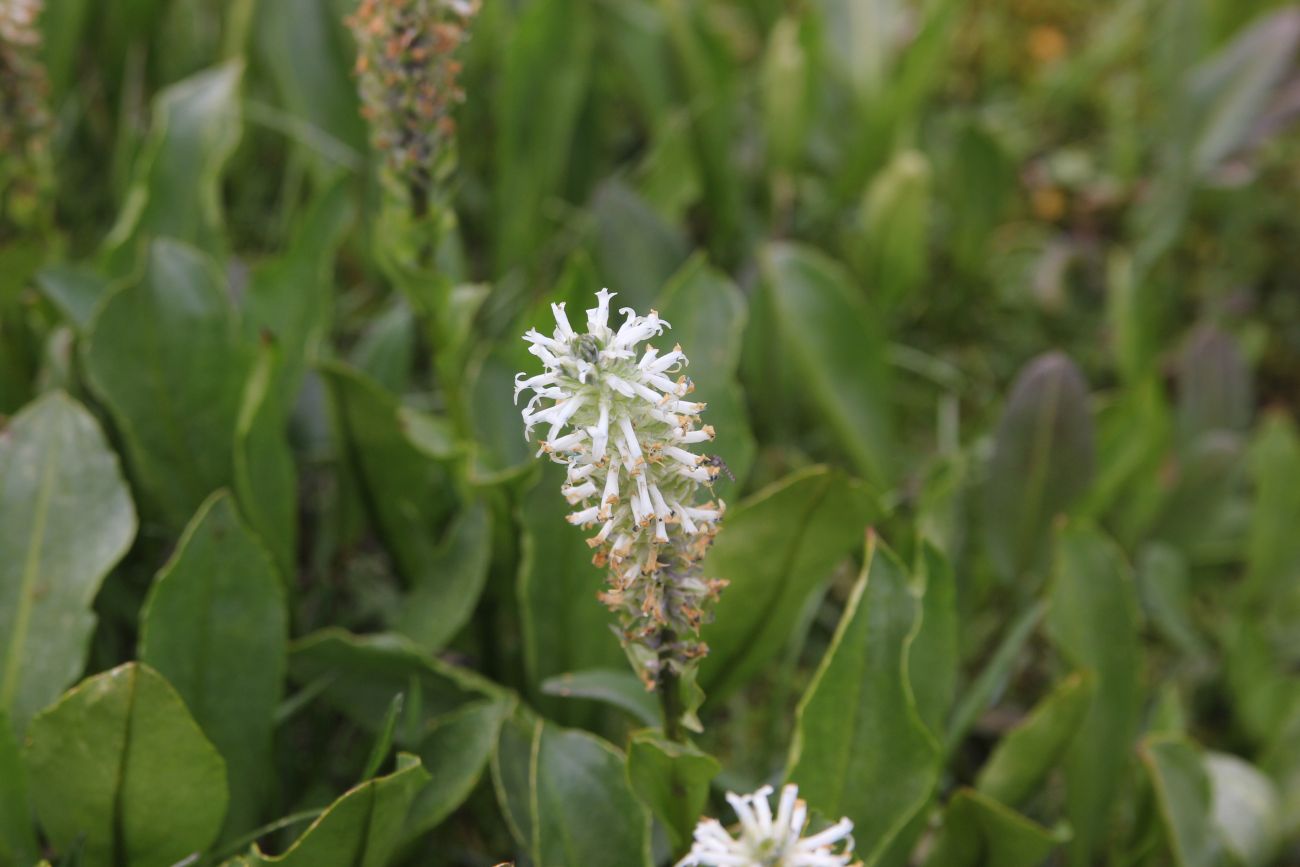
{"points": [[598, 316], [562, 320], [629, 437]]}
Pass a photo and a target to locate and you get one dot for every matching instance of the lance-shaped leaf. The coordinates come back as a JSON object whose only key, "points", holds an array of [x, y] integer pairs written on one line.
{"points": [[566, 797], [363, 828], [932, 652], [622, 689], [836, 344], [120, 765], [265, 478], [166, 356], [1028, 753], [777, 548], [978, 831], [216, 626], [65, 519], [860, 748], [443, 598], [1042, 461], [672, 779], [1093, 619]]}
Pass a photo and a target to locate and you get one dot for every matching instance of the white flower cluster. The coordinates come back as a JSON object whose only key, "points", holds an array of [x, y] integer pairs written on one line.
{"points": [[618, 419], [767, 841]]}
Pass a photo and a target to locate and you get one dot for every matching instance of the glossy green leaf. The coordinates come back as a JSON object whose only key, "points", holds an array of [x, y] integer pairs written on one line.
{"points": [[408, 494], [860, 748], [442, 599], [456, 749], [65, 519], [17, 834], [708, 314], [620, 688], [216, 626], [672, 779], [265, 478], [1042, 461], [1029, 752], [362, 828], [120, 763], [1183, 795], [780, 546], [835, 343], [176, 190], [1094, 621], [565, 627], [567, 798], [978, 831], [166, 356], [932, 652], [362, 673]]}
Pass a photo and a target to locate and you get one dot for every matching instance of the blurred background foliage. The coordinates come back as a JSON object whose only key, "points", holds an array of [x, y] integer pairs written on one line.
{"points": [[1014, 283]]}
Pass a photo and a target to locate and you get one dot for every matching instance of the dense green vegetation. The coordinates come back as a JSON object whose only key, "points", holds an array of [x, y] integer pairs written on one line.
{"points": [[995, 311]]}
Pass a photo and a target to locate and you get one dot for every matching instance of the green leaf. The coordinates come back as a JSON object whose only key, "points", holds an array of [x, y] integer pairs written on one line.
{"points": [[407, 493], [1183, 795], [1028, 753], [176, 190], [780, 547], [76, 290], [362, 828], [266, 480], [565, 627], [1166, 598], [860, 748], [1042, 461], [166, 357], [17, 834], [1273, 553], [363, 672], [384, 740], [566, 797], [120, 763], [932, 652], [443, 598], [893, 235], [1093, 620], [456, 749], [708, 314], [635, 250], [980, 694], [980, 832], [833, 340], [672, 779], [1215, 389], [1246, 809], [65, 519], [215, 624], [620, 688]]}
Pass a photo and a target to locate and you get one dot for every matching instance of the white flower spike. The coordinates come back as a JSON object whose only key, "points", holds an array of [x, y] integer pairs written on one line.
{"points": [[767, 841], [614, 415]]}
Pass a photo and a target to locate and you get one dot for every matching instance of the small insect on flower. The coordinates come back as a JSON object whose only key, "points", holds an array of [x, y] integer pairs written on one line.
{"points": [[614, 415], [768, 841]]}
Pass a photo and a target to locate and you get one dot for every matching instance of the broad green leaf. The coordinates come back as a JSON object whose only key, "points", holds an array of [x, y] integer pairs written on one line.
{"points": [[566, 796], [894, 229], [362, 673], [265, 478], [708, 315], [1029, 752], [830, 336], [407, 493], [620, 688], [362, 828], [443, 598], [1042, 461], [565, 627], [860, 748], [1093, 619], [932, 652], [1273, 555], [1246, 809], [455, 749], [65, 519], [1215, 391], [1166, 598], [216, 626], [779, 547], [980, 832], [17, 834], [385, 351], [545, 72], [176, 191], [166, 356], [75, 289], [672, 779], [120, 763], [635, 250], [1184, 797]]}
